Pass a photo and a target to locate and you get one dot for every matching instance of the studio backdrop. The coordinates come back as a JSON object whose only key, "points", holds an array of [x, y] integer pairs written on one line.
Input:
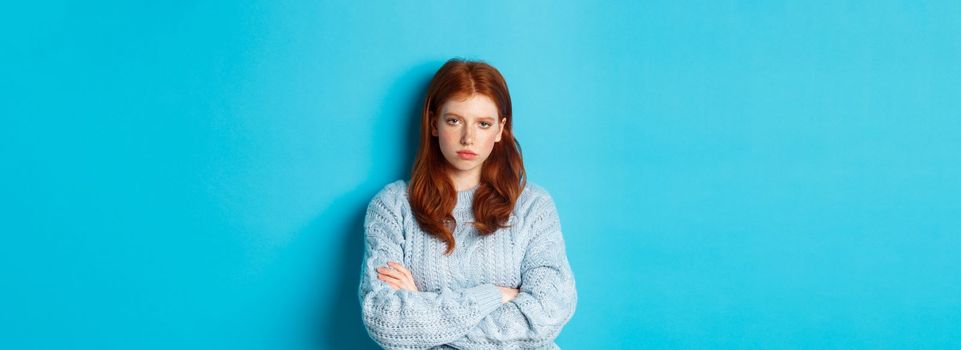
{"points": [[194, 174]]}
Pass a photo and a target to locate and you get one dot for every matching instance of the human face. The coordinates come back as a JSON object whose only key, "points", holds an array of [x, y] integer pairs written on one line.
{"points": [[467, 130]]}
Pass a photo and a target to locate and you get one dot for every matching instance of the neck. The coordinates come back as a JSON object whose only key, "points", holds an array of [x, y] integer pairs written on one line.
{"points": [[465, 180]]}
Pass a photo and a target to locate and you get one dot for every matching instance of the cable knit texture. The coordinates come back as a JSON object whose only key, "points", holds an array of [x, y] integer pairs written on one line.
{"points": [[458, 305]]}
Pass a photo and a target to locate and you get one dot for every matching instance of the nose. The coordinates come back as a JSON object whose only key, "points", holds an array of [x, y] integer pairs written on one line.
{"points": [[467, 138]]}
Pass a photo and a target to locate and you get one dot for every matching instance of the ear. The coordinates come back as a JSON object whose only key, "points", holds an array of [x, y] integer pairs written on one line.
{"points": [[433, 126], [500, 129]]}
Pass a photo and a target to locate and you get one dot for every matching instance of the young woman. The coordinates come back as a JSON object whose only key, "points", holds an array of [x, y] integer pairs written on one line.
{"points": [[468, 254]]}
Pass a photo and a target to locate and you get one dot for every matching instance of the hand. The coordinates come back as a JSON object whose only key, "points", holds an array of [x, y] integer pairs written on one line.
{"points": [[508, 294], [396, 276]]}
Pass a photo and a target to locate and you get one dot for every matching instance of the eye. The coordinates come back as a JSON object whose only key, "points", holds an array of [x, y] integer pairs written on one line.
{"points": [[485, 125], [451, 121]]}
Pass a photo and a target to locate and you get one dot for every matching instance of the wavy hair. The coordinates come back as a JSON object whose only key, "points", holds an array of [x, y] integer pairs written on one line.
{"points": [[431, 191]]}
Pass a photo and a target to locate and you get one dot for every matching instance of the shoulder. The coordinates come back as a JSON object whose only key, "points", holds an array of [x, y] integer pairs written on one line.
{"points": [[534, 201], [389, 200], [386, 214], [391, 193], [533, 190], [535, 194]]}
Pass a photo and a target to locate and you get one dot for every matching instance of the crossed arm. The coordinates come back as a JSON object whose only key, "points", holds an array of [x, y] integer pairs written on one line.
{"points": [[508, 325], [397, 315]]}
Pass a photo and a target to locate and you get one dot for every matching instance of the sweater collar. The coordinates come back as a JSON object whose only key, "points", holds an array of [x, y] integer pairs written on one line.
{"points": [[465, 198], [463, 211]]}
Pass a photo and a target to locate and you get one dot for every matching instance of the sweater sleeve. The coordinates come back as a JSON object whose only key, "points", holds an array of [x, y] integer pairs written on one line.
{"points": [[547, 297], [402, 319]]}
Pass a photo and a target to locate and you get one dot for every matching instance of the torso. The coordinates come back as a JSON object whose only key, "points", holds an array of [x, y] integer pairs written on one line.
{"points": [[476, 259]]}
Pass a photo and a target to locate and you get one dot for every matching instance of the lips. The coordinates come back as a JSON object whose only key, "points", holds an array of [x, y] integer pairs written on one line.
{"points": [[466, 154]]}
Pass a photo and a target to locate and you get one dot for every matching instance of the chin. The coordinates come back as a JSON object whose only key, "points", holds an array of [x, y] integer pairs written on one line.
{"points": [[465, 165]]}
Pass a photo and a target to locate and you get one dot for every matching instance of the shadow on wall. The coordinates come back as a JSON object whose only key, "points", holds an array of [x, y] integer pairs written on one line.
{"points": [[342, 315]]}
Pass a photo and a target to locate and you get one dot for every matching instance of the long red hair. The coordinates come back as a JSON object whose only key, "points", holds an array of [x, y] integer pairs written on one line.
{"points": [[431, 192]]}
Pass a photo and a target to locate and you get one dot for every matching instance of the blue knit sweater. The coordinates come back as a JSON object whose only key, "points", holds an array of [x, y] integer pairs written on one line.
{"points": [[458, 304]]}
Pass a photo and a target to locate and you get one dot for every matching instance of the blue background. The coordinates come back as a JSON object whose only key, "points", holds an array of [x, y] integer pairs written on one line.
{"points": [[194, 174]]}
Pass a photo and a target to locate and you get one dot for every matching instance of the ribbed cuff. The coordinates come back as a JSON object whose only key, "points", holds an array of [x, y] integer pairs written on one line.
{"points": [[487, 297]]}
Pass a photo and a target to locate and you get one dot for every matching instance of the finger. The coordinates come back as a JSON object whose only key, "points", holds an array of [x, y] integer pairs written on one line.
{"points": [[394, 283], [391, 282], [402, 269], [396, 266], [408, 277], [389, 278], [399, 280], [412, 286], [403, 281], [393, 273]]}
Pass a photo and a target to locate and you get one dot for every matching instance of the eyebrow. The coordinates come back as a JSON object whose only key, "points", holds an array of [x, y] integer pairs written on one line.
{"points": [[459, 116]]}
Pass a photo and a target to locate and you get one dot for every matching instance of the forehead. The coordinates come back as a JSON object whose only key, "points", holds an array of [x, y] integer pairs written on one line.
{"points": [[474, 106]]}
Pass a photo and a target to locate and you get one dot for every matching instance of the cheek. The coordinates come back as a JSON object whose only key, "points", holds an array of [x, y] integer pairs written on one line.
{"points": [[489, 141], [491, 137], [448, 137]]}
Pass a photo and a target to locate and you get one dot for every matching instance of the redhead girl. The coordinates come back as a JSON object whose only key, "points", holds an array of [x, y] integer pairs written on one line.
{"points": [[467, 254]]}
